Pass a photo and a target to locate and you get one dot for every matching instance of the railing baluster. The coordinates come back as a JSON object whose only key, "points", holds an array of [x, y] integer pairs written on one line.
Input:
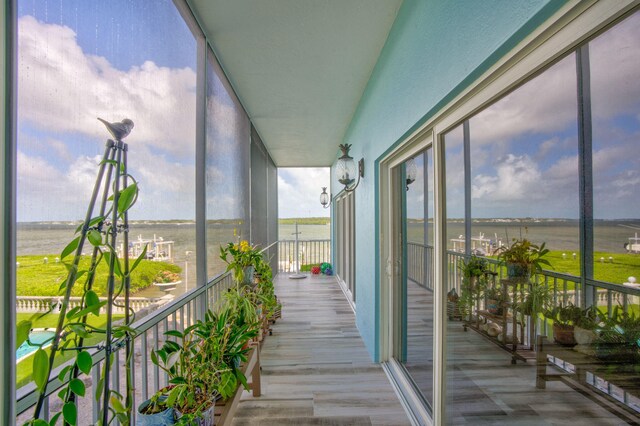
{"points": [[45, 409], [115, 371], [132, 365], [156, 369], [95, 405], [144, 357]]}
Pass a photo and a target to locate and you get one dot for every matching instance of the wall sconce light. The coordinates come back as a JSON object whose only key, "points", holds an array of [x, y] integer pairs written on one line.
{"points": [[346, 168], [325, 199], [411, 171]]}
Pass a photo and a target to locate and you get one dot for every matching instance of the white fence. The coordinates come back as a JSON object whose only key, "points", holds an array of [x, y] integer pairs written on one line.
{"points": [[34, 304]]}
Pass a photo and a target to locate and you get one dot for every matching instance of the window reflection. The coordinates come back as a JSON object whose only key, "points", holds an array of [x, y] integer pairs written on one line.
{"points": [[416, 348], [615, 97]]}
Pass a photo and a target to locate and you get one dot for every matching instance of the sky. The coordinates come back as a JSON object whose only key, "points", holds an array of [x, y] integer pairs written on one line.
{"points": [[299, 191], [524, 147], [80, 60]]}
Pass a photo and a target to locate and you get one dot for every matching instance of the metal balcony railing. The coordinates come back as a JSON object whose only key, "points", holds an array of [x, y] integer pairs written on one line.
{"points": [[565, 288], [178, 314], [310, 252]]}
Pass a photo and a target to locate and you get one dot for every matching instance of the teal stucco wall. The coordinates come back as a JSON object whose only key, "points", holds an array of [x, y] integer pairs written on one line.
{"points": [[434, 50]]}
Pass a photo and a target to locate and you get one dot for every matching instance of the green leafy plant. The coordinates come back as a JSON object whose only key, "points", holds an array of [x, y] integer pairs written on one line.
{"points": [[474, 281], [73, 327], [166, 276], [524, 255], [495, 300], [238, 257], [618, 337], [565, 315], [202, 362]]}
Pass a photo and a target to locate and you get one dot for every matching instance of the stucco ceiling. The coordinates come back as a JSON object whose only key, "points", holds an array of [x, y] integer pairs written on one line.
{"points": [[298, 66]]}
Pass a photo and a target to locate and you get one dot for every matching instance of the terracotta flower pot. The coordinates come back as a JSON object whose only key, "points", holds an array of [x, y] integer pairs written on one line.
{"points": [[563, 335]]}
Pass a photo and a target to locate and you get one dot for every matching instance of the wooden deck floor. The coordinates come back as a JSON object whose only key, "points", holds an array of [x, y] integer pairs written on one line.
{"points": [[315, 368]]}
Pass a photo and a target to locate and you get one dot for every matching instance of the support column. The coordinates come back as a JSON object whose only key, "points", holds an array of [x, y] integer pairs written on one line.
{"points": [[467, 187], [8, 214], [585, 172]]}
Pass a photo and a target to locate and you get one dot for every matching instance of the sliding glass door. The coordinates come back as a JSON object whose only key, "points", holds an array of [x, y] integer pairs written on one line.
{"points": [[414, 292]]}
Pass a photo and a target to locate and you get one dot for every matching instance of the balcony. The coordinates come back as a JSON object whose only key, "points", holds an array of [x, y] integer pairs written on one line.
{"points": [[524, 114], [315, 367]]}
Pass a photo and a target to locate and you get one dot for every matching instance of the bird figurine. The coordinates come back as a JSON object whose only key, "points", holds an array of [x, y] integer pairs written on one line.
{"points": [[118, 130]]}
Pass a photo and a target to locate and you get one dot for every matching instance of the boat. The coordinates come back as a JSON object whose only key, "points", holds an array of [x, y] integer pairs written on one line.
{"points": [[158, 249], [633, 246], [480, 245]]}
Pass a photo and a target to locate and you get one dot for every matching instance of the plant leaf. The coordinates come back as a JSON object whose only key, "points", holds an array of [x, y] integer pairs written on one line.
{"points": [[63, 373], [22, 332], [91, 309], [70, 247], [72, 312], [77, 387], [139, 259], [116, 262], [99, 388], [174, 333], [84, 361], [173, 358], [127, 197], [40, 368], [95, 237], [92, 299], [79, 330], [117, 404], [70, 413], [54, 419]]}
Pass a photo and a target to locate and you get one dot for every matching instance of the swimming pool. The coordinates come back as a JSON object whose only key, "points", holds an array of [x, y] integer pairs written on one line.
{"points": [[37, 337]]}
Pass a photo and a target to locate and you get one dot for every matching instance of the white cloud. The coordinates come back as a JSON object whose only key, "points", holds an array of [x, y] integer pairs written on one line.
{"points": [[547, 103], [514, 179], [299, 191], [62, 89], [45, 191]]}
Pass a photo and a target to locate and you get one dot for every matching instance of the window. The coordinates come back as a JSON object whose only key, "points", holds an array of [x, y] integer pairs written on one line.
{"points": [[227, 170], [614, 60], [77, 62], [345, 214]]}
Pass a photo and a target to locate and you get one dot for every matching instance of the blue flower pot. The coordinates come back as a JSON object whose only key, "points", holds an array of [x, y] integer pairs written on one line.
{"points": [[166, 417]]}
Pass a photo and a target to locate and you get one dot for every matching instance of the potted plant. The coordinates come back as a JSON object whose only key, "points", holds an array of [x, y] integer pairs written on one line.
{"points": [[154, 411], [202, 364], [522, 258], [564, 317], [166, 280], [474, 281], [534, 299], [241, 258], [584, 329], [494, 300], [618, 339]]}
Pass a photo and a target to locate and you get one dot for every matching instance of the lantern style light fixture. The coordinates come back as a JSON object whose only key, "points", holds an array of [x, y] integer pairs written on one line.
{"points": [[325, 199], [411, 171], [346, 169]]}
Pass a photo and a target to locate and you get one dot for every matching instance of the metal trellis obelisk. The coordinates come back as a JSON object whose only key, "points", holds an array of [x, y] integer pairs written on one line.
{"points": [[115, 196]]}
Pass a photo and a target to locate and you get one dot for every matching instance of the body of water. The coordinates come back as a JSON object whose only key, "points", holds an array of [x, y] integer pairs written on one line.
{"points": [[609, 236], [48, 238]]}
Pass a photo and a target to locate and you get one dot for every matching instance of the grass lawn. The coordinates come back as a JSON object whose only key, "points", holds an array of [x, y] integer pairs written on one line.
{"points": [[36, 278], [623, 266], [25, 367]]}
